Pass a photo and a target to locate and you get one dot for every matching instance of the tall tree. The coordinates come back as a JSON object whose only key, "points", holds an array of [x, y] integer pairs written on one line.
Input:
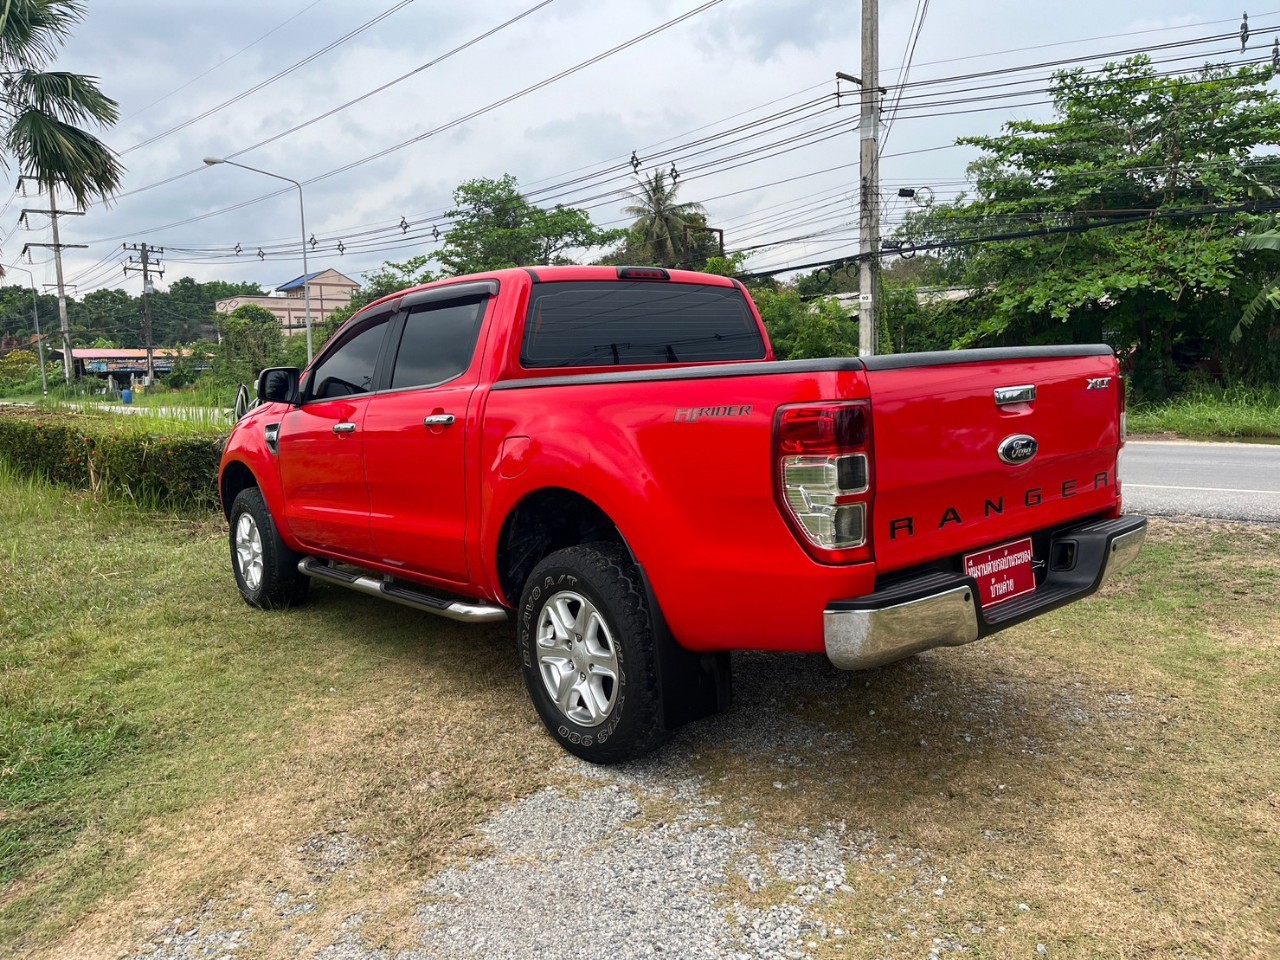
{"points": [[44, 112], [659, 228], [1129, 205], [187, 311], [251, 340], [495, 227]]}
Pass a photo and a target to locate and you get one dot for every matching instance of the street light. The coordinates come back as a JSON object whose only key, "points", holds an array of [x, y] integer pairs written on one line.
{"points": [[35, 307], [302, 215]]}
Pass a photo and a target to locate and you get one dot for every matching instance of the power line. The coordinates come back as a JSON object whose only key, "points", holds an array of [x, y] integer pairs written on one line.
{"points": [[271, 79], [376, 244], [708, 4], [220, 63], [914, 106], [350, 103], [1149, 216], [922, 10]]}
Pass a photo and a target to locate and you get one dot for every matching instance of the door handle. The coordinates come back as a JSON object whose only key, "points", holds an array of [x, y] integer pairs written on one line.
{"points": [[344, 428], [438, 420]]}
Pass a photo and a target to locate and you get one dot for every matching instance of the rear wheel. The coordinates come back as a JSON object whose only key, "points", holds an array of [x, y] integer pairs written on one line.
{"points": [[266, 569], [587, 653]]}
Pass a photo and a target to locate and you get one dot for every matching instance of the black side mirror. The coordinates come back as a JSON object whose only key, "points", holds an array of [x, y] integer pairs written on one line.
{"points": [[278, 385]]}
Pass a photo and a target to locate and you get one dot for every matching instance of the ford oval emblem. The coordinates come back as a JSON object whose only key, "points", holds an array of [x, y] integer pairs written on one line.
{"points": [[1018, 449]]}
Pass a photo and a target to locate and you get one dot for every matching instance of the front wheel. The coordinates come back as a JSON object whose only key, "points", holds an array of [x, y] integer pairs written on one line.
{"points": [[587, 653], [266, 569]]}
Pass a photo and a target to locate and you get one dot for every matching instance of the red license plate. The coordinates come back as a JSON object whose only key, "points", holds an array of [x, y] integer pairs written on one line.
{"points": [[1003, 572]]}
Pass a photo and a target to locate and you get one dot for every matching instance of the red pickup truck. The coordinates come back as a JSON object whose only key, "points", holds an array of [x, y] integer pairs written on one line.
{"points": [[613, 458]]}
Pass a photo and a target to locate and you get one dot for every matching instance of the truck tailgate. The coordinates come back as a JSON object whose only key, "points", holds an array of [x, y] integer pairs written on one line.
{"points": [[942, 486]]}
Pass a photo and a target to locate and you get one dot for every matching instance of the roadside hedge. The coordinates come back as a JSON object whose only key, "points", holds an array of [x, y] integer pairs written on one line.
{"points": [[112, 459]]}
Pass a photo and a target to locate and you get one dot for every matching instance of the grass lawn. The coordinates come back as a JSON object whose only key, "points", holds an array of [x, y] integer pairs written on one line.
{"points": [[156, 734], [1111, 766], [1230, 414]]}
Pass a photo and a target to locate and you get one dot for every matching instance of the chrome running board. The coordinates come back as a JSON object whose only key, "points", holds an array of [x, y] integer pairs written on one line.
{"points": [[396, 591]]}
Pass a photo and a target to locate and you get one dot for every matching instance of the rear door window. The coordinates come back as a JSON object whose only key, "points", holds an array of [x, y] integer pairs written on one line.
{"points": [[438, 343], [616, 323]]}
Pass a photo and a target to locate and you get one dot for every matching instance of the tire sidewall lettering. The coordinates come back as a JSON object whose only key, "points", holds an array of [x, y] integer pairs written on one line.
{"points": [[565, 729]]}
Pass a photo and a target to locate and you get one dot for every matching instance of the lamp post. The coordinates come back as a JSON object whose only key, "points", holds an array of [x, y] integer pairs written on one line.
{"points": [[35, 309], [302, 215]]}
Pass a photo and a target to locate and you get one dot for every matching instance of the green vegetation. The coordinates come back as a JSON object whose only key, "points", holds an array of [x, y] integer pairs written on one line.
{"points": [[163, 746], [1207, 413], [1137, 197], [159, 738], [495, 227], [149, 459]]}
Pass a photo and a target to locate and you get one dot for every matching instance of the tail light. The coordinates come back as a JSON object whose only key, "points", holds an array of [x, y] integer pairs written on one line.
{"points": [[825, 474]]}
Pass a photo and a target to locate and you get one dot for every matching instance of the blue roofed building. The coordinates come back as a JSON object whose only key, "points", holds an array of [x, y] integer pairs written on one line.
{"points": [[330, 290]]}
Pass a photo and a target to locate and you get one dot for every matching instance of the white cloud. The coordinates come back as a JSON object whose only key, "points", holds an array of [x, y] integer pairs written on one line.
{"points": [[740, 54]]}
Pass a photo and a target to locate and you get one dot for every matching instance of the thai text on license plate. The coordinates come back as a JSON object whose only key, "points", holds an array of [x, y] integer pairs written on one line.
{"points": [[1003, 572]]}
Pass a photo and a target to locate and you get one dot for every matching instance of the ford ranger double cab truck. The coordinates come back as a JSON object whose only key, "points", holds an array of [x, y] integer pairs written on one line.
{"points": [[612, 458]]}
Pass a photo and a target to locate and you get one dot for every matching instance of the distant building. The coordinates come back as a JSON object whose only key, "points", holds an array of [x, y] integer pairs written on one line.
{"points": [[9, 343], [126, 366], [330, 291]]}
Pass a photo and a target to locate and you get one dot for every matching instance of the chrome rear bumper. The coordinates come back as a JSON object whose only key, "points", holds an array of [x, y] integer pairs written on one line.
{"points": [[940, 609]]}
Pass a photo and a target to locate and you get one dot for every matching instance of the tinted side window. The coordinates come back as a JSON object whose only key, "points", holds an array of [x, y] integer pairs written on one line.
{"points": [[438, 343], [350, 368], [601, 323]]}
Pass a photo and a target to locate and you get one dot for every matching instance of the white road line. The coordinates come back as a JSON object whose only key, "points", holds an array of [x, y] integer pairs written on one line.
{"points": [[1152, 486]]}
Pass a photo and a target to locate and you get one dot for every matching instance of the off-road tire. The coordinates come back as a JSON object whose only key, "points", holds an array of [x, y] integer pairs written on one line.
{"points": [[277, 583], [603, 575]]}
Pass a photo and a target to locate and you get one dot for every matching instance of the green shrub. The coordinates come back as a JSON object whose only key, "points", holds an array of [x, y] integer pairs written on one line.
{"points": [[112, 459]]}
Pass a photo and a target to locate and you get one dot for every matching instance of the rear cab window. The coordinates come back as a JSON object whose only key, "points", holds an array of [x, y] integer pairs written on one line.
{"points": [[637, 323]]}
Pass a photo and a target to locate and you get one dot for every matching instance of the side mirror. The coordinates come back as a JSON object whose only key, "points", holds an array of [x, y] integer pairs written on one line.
{"points": [[278, 385]]}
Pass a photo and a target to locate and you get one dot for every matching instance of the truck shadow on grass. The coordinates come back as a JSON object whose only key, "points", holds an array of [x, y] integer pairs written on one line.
{"points": [[942, 724]]}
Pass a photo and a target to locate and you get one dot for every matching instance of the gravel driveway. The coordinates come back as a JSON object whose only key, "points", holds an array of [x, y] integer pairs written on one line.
{"points": [[642, 860]]}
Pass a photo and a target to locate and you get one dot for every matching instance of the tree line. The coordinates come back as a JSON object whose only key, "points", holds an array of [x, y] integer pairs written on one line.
{"points": [[1142, 215]]}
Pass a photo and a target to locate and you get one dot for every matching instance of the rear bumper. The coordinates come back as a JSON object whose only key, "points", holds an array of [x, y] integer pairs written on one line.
{"points": [[940, 609]]}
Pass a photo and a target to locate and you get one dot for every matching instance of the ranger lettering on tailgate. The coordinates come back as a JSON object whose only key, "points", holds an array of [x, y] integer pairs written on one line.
{"points": [[1031, 498]]}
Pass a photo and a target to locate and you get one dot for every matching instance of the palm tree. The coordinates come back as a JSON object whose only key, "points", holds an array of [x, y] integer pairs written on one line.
{"points": [[660, 221], [42, 113]]}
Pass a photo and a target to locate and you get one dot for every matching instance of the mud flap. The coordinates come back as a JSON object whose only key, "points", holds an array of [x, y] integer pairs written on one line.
{"points": [[691, 685]]}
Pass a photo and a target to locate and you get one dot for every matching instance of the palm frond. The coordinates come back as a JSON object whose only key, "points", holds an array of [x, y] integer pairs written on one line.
{"points": [[1260, 241], [1266, 297], [68, 96], [32, 31], [56, 152]]}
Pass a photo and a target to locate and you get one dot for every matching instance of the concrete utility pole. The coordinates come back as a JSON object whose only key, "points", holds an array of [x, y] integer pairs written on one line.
{"points": [[144, 266], [35, 312], [68, 361], [869, 173]]}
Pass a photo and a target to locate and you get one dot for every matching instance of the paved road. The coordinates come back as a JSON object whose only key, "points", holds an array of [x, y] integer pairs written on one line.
{"points": [[1230, 481]]}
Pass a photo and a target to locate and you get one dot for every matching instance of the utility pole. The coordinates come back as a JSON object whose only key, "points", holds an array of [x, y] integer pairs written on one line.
{"points": [[144, 265], [869, 174], [68, 361]]}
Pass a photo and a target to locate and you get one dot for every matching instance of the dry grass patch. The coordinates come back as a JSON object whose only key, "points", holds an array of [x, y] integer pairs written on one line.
{"points": [[1111, 767], [167, 751]]}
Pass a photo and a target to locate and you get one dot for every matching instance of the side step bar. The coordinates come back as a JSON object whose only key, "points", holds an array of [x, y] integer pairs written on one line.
{"points": [[398, 592]]}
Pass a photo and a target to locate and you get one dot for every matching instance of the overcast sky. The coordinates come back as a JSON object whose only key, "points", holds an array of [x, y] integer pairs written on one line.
{"points": [[168, 63]]}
